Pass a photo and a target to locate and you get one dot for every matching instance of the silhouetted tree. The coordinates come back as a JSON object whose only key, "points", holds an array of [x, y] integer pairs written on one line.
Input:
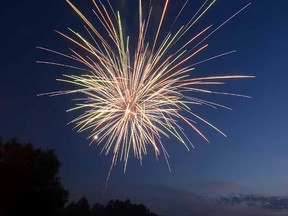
{"points": [[113, 208], [119, 208], [98, 210], [81, 208], [29, 184]]}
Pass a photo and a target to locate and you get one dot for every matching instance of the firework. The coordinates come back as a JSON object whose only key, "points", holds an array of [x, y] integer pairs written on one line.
{"points": [[132, 97]]}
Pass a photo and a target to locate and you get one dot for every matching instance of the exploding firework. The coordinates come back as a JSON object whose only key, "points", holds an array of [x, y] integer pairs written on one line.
{"points": [[133, 96]]}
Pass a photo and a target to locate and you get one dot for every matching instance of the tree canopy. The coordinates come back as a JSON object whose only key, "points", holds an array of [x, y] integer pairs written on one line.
{"points": [[29, 185], [113, 208], [29, 181]]}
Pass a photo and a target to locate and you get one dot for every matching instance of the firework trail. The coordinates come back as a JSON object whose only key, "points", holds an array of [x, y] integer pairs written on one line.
{"points": [[133, 96]]}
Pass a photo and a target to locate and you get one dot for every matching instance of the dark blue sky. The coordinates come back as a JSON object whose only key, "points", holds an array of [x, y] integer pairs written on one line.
{"points": [[251, 160]]}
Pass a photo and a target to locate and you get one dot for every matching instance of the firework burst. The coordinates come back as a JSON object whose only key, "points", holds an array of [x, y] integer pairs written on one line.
{"points": [[133, 96]]}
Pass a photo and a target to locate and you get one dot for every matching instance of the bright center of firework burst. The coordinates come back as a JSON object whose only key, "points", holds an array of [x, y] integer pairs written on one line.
{"points": [[131, 105]]}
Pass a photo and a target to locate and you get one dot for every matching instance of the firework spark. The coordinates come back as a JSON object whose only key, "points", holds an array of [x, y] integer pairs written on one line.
{"points": [[132, 97]]}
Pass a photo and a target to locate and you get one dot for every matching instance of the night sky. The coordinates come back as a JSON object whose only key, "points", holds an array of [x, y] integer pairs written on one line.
{"points": [[243, 174]]}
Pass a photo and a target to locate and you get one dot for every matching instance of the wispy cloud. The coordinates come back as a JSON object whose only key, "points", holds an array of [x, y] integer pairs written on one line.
{"points": [[169, 201], [275, 203]]}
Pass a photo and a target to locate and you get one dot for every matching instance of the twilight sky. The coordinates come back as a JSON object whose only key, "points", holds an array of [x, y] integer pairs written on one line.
{"points": [[243, 174]]}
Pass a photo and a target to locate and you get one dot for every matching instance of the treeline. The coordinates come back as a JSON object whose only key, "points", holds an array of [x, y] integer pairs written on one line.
{"points": [[113, 208], [29, 185]]}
